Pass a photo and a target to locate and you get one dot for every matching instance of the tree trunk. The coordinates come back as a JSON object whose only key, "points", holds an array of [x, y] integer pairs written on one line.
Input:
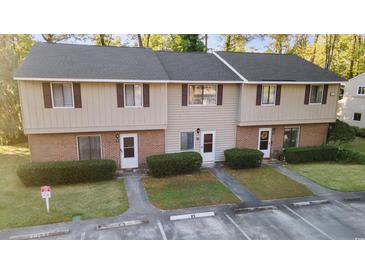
{"points": [[148, 40], [102, 39], [140, 43], [227, 45], [353, 55], [330, 46], [314, 52], [206, 42]]}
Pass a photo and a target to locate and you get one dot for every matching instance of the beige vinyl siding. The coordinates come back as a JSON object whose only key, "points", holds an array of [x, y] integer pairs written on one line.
{"points": [[352, 102], [221, 119], [291, 110], [99, 110]]}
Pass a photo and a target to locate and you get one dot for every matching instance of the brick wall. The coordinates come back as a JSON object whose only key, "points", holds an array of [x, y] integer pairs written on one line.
{"points": [[61, 147], [310, 134]]}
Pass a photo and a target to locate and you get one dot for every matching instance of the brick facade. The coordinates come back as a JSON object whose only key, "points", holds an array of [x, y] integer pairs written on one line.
{"points": [[62, 147], [310, 134]]}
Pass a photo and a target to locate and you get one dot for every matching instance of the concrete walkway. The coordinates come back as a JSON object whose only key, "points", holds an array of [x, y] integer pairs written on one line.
{"points": [[242, 193]]}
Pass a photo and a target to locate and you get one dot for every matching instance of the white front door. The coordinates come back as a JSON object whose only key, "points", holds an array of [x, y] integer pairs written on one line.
{"points": [[128, 150], [208, 146], [265, 141]]}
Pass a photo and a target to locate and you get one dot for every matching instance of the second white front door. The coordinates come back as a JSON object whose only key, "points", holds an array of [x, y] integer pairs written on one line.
{"points": [[129, 150], [208, 146], [265, 141]]}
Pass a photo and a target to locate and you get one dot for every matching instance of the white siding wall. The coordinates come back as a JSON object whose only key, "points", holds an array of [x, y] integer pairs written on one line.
{"points": [[291, 110], [351, 102], [222, 119], [99, 110]]}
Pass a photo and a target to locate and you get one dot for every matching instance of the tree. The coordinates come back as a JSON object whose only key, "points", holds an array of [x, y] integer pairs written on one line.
{"points": [[54, 38], [280, 43], [300, 45], [340, 132], [206, 42], [189, 42], [314, 51], [13, 49], [330, 46], [106, 39]]}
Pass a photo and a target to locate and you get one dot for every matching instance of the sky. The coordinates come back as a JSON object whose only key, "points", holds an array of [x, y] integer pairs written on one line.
{"points": [[215, 42]]}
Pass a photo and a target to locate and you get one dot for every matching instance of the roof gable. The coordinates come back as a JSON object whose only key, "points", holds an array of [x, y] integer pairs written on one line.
{"points": [[257, 67]]}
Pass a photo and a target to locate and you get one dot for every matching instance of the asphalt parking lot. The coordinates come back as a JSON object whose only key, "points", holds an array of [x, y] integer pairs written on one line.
{"points": [[337, 220]]}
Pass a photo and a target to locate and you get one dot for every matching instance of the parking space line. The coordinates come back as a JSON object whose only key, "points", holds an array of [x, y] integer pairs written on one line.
{"points": [[161, 230], [349, 206], [237, 226], [309, 223], [83, 234]]}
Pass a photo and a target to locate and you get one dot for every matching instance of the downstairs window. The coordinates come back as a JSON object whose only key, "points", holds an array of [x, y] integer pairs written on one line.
{"points": [[89, 147]]}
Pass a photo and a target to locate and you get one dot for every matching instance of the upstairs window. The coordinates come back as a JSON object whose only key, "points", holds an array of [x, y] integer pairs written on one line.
{"points": [[89, 147], [133, 95], [268, 95], [361, 90], [357, 116], [62, 95], [316, 94], [186, 141], [202, 95]]}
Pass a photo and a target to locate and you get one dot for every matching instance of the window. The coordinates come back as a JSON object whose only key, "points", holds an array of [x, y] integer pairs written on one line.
{"points": [[291, 136], [89, 147], [133, 95], [268, 95], [187, 140], [357, 116], [202, 95], [316, 94], [62, 95], [361, 90]]}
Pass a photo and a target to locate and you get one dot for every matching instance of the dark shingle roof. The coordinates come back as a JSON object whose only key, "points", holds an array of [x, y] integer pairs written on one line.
{"points": [[195, 66], [277, 67], [47, 60]]}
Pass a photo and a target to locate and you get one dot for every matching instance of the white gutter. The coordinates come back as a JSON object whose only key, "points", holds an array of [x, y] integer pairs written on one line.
{"points": [[230, 67], [121, 81], [293, 82]]}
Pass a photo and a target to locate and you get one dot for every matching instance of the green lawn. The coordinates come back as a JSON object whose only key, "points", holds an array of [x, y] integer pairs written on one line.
{"points": [[358, 145], [340, 177], [268, 184], [23, 206], [184, 191]]}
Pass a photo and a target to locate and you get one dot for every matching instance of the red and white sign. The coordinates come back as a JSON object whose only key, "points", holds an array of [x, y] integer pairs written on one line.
{"points": [[46, 192]]}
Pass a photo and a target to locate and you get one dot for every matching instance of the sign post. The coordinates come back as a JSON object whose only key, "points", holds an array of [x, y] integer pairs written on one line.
{"points": [[46, 194]]}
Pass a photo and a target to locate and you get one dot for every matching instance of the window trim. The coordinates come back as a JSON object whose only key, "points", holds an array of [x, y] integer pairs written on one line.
{"points": [[262, 97], [298, 140], [200, 105], [353, 116], [88, 135], [187, 131], [310, 95], [125, 97], [72, 92], [357, 92]]}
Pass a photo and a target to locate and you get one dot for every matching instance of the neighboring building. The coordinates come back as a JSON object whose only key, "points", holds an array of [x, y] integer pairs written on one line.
{"points": [[351, 107], [91, 102]]}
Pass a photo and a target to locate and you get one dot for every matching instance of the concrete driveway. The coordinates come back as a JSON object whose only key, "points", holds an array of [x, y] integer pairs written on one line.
{"points": [[336, 220]]}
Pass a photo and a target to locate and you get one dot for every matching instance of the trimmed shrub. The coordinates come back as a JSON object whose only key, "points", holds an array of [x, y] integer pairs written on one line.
{"points": [[361, 133], [310, 154], [239, 158], [66, 172], [350, 157], [174, 163]]}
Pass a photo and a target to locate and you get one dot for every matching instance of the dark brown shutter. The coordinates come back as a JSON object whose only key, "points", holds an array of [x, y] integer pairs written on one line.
{"points": [[146, 95], [278, 95], [47, 97], [184, 95], [307, 92], [258, 95], [120, 95], [325, 93], [220, 95], [77, 95]]}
